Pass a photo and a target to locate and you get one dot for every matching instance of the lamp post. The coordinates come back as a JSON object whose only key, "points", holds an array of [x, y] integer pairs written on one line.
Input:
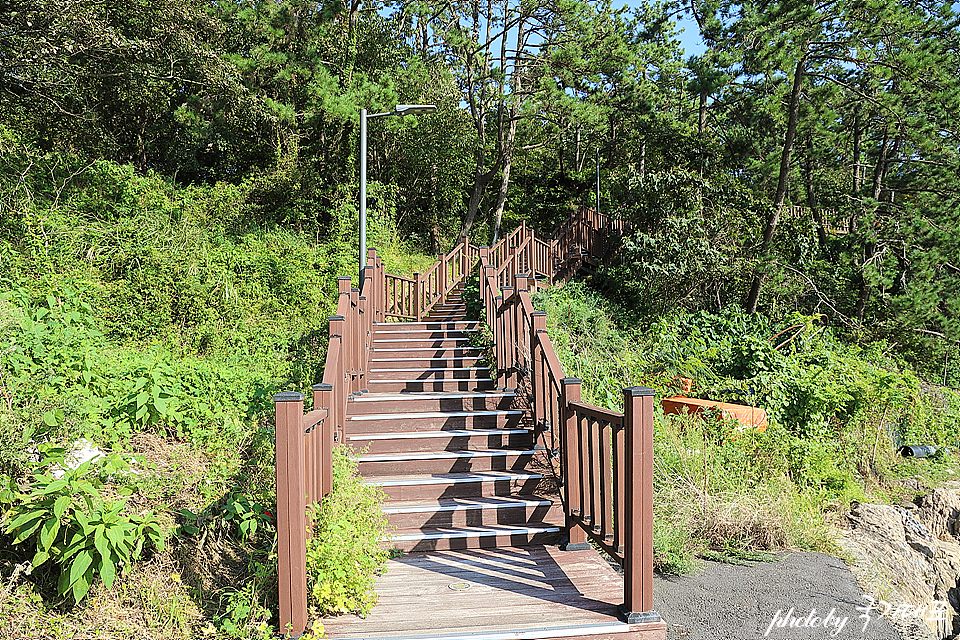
{"points": [[399, 110]]}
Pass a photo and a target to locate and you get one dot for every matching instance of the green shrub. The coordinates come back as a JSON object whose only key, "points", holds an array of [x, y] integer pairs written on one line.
{"points": [[68, 521], [345, 553]]}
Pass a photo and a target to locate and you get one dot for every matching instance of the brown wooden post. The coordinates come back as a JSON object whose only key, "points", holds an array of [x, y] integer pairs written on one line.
{"points": [[508, 349], [442, 279], [538, 320], [499, 338], [417, 296], [521, 335], [363, 337], [637, 604], [488, 271], [322, 394], [571, 471], [339, 401], [291, 515], [355, 341]]}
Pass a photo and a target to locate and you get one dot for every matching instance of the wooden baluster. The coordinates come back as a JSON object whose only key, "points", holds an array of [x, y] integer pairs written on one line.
{"points": [[337, 327], [291, 514], [538, 369], [509, 345], [353, 330], [442, 276], [322, 395], [606, 481], [619, 489], [637, 604], [572, 464]]}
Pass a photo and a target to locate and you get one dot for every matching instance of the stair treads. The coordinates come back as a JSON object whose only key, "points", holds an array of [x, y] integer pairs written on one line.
{"points": [[452, 433], [427, 369], [444, 455], [474, 532], [424, 358], [427, 339], [452, 478], [408, 332], [465, 504], [431, 380], [436, 349], [437, 414], [419, 396]]}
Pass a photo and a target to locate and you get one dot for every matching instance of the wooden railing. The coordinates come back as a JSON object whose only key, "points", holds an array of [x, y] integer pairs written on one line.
{"points": [[606, 457]]}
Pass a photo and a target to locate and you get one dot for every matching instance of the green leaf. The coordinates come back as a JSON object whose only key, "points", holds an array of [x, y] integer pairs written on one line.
{"points": [[50, 419], [81, 586], [100, 542], [108, 571], [79, 566], [23, 519], [39, 559], [142, 398], [49, 533], [60, 506]]}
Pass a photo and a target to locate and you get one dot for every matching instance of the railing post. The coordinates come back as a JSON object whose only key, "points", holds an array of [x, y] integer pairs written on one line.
{"points": [[538, 320], [339, 398], [417, 297], [522, 337], [354, 333], [509, 347], [488, 271], [443, 275], [363, 337], [637, 604], [322, 396], [291, 513], [499, 336], [572, 466]]}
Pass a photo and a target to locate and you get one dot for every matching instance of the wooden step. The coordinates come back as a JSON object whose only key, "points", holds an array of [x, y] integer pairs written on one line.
{"points": [[428, 373], [474, 537], [428, 361], [387, 344], [387, 403], [407, 421], [428, 352], [445, 326], [457, 485], [444, 462], [472, 512], [448, 384], [422, 334], [446, 440]]}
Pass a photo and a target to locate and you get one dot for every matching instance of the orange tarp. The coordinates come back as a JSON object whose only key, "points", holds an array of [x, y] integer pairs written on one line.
{"points": [[749, 417]]}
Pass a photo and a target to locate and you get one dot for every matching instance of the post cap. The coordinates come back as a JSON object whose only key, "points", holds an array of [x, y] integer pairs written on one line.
{"points": [[335, 318], [639, 391], [288, 396], [343, 277], [571, 381], [539, 313], [322, 386]]}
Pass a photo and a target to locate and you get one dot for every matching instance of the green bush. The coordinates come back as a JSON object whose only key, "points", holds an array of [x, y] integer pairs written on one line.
{"points": [[345, 553], [69, 522]]}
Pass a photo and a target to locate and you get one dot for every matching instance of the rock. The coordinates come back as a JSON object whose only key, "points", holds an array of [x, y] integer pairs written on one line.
{"points": [[940, 510], [911, 557]]}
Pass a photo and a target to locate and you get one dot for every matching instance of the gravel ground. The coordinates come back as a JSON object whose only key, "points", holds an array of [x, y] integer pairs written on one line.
{"points": [[801, 596]]}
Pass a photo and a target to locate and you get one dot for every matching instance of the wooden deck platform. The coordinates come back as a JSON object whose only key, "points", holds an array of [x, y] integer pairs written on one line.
{"points": [[507, 593]]}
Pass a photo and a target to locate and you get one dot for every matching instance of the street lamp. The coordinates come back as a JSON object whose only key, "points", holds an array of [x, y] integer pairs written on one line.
{"points": [[399, 110]]}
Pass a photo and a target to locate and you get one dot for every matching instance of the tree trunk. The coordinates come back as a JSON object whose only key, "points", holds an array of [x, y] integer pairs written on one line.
{"points": [[857, 133], [782, 183], [702, 114], [811, 198]]}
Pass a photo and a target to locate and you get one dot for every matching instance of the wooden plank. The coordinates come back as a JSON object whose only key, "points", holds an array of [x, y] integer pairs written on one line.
{"points": [[533, 590]]}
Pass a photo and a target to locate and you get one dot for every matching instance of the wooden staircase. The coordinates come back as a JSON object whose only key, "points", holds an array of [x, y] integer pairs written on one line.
{"points": [[455, 457], [474, 465]]}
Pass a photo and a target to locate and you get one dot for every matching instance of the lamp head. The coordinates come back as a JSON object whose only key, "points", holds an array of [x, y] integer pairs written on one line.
{"points": [[414, 109]]}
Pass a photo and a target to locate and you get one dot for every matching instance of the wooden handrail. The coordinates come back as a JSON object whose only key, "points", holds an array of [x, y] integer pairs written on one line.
{"points": [[605, 457], [616, 512]]}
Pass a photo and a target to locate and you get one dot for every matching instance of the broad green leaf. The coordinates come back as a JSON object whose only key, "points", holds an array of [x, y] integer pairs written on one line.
{"points": [[49, 533], [81, 586], [100, 542], [108, 571], [80, 565], [60, 506], [23, 519], [50, 419], [39, 558], [27, 532], [142, 398]]}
